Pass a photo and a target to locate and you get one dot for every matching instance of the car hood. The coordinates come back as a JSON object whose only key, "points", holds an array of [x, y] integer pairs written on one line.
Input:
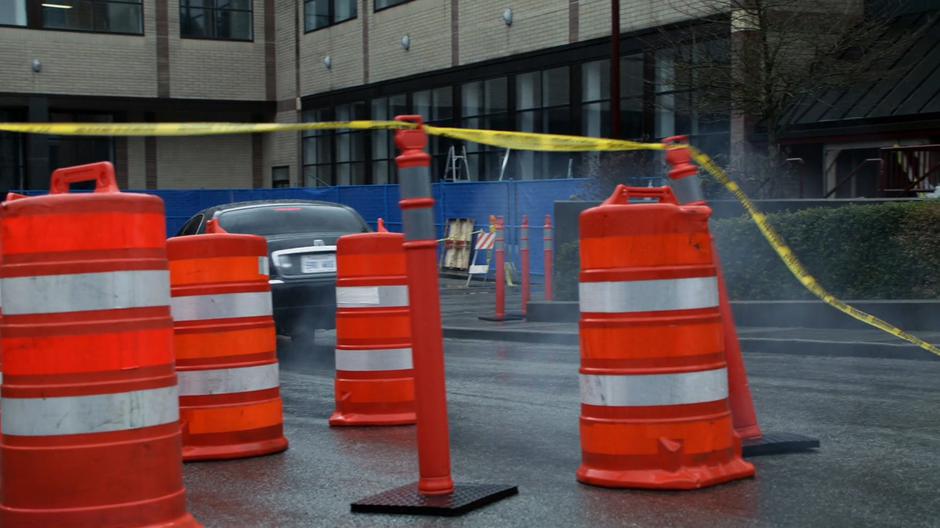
{"points": [[295, 240]]}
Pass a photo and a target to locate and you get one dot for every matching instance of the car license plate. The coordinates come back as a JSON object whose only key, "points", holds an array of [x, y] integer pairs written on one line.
{"points": [[318, 263]]}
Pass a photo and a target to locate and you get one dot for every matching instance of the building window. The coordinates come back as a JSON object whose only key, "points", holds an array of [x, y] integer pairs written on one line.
{"points": [[216, 19], [11, 157], [100, 16], [384, 4], [323, 13], [280, 177], [351, 146], [13, 13], [595, 97], [383, 141], [317, 151], [485, 104], [542, 105], [436, 106]]}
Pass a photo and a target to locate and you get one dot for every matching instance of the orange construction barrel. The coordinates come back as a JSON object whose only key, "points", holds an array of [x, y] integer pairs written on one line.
{"points": [[374, 369], [654, 382], [91, 434], [226, 347]]}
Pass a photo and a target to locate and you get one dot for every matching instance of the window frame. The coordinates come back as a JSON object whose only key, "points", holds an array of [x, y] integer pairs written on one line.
{"points": [[34, 19], [377, 9], [251, 25], [26, 8], [332, 15]]}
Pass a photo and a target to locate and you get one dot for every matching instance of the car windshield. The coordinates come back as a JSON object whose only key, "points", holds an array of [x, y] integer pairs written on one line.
{"points": [[290, 218]]}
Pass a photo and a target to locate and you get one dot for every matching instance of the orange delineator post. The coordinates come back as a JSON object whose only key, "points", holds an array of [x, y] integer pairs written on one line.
{"points": [[500, 249], [91, 433], [654, 384], [524, 257], [549, 242], [374, 366], [226, 346], [688, 190], [420, 247]]}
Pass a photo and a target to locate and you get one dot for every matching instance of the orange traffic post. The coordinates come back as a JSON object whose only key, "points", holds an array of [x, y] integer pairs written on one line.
{"points": [[374, 368], [435, 492], [91, 434], [548, 240], [500, 251], [226, 346], [685, 184], [654, 382], [524, 257]]}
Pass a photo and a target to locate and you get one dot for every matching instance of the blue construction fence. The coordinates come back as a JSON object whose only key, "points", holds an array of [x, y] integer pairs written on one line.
{"points": [[475, 200]]}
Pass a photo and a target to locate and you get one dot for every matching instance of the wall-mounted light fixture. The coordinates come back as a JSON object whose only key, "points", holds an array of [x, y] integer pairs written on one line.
{"points": [[328, 62], [507, 16], [406, 42], [37, 66]]}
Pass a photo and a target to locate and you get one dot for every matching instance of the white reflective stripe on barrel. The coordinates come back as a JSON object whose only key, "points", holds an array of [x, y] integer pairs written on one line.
{"points": [[649, 295], [81, 292], [654, 389], [374, 360], [228, 381], [100, 413], [221, 306], [371, 296]]}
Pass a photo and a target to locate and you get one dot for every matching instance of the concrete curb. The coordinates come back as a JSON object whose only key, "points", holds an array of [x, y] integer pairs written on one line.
{"points": [[796, 347]]}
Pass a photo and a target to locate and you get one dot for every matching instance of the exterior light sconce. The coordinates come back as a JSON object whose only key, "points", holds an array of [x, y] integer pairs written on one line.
{"points": [[507, 16], [37, 66], [328, 62], [406, 42]]}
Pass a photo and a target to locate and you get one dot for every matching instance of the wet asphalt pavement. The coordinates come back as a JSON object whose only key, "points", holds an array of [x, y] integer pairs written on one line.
{"points": [[514, 419]]}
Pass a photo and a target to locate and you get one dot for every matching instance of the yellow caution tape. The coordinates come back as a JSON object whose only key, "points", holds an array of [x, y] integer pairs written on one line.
{"points": [[495, 138], [541, 142], [190, 129], [794, 264]]}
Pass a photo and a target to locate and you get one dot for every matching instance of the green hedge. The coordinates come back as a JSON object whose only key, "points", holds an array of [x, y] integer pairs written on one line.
{"points": [[887, 251]]}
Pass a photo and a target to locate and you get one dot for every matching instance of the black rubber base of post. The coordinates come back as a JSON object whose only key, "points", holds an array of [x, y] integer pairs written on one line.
{"points": [[509, 316], [778, 444], [407, 501]]}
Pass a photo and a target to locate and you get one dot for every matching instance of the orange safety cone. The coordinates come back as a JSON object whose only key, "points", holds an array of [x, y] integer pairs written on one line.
{"points": [[374, 368], [226, 348], [91, 434], [654, 382]]}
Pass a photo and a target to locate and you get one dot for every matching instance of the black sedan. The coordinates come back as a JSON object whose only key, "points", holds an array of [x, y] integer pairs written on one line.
{"points": [[301, 237]]}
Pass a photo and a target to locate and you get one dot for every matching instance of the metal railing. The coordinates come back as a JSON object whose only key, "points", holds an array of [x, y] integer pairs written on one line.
{"points": [[911, 169]]}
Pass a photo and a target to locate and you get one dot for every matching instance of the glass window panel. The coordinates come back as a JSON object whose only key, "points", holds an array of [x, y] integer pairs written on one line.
{"points": [[556, 120], [324, 151], [631, 76], [665, 71], [234, 25], [421, 102], [665, 118], [471, 98], [316, 14], [344, 10], [528, 90], [473, 122], [595, 81], [443, 103], [79, 17], [357, 174], [13, 13], [118, 18], [498, 122], [380, 172], [397, 105], [595, 119], [280, 177], [556, 87], [380, 108], [195, 22], [631, 117], [233, 4], [382, 4], [528, 121], [496, 98], [311, 150]]}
